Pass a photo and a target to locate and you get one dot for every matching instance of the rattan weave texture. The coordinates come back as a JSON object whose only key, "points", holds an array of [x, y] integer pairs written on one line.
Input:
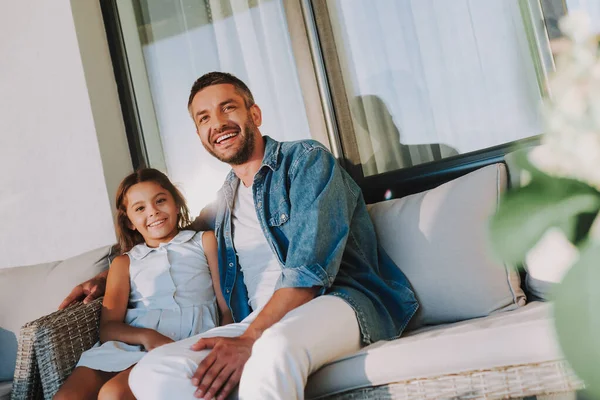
{"points": [[499, 383], [50, 347]]}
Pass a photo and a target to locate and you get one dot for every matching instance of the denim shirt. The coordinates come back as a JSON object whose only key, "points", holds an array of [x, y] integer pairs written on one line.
{"points": [[315, 220]]}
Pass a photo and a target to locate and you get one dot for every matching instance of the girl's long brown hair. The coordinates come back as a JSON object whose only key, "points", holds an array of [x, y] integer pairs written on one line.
{"points": [[127, 237]]}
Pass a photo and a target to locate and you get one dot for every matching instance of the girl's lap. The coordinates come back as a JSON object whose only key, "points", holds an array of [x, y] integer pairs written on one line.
{"points": [[87, 383], [117, 387]]}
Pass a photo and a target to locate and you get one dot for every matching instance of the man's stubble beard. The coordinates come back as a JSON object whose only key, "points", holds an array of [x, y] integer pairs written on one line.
{"points": [[245, 152]]}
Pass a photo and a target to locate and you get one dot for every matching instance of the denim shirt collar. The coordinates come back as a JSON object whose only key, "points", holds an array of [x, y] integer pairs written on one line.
{"points": [[271, 159]]}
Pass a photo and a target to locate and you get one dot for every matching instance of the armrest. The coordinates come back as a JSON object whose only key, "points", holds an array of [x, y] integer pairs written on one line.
{"points": [[50, 347]]}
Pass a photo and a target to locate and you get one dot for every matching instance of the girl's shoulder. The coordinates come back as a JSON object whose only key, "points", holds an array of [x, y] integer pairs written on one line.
{"points": [[120, 262], [197, 238]]}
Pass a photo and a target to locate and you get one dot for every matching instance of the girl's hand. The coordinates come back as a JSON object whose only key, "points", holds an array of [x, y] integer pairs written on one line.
{"points": [[151, 339]]}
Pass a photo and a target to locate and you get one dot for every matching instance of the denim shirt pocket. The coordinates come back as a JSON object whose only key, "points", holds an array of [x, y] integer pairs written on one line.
{"points": [[279, 214]]}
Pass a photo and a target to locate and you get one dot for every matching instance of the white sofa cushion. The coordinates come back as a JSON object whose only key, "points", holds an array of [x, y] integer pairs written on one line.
{"points": [[27, 293], [522, 336], [438, 238]]}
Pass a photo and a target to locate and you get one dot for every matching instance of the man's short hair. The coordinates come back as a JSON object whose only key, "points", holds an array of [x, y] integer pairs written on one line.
{"points": [[218, 78]]}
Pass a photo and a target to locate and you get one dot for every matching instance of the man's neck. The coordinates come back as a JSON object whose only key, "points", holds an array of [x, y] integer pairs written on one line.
{"points": [[247, 170]]}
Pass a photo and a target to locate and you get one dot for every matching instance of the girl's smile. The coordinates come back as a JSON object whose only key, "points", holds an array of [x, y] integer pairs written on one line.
{"points": [[157, 223]]}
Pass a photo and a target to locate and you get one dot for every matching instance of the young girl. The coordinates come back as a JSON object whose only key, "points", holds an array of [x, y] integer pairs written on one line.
{"points": [[158, 291]]}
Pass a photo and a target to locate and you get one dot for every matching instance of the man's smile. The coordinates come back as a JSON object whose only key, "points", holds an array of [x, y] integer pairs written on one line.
{"points": [[226, 136]]}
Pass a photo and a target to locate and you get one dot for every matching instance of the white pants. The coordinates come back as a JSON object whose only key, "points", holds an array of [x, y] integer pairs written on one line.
{"points": [[308, 337]]}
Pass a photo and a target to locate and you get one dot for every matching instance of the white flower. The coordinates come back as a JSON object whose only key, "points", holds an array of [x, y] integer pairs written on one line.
{"points": [[571, 144], [576, 25]]}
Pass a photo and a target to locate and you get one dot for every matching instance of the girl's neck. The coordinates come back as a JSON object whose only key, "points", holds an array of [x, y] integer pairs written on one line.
{"points": [[155, 242]]}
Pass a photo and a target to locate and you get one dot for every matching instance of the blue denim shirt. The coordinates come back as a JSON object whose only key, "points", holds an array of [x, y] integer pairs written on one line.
{"points": [[315, 220]]}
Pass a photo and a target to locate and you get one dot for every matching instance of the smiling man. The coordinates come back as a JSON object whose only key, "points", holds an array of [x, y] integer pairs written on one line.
{"points": [[299, 264]]}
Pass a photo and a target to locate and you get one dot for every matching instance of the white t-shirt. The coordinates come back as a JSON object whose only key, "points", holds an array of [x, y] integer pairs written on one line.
{"points": [[257, 260]]}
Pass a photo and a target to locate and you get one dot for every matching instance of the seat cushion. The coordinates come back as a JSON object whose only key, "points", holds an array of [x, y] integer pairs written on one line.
{"points": [[27, 293], [439, 239], [523, 336]]}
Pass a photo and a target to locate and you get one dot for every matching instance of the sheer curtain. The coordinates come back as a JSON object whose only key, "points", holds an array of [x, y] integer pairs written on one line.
{"points": [[428, 79], [184, 39]]}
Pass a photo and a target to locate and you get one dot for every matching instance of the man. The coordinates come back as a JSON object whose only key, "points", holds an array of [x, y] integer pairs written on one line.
{"points": [[298, 258]]}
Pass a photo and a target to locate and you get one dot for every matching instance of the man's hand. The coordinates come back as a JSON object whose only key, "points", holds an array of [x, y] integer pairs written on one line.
{"points": [[221, 370], [88, 291], [152, 339]]}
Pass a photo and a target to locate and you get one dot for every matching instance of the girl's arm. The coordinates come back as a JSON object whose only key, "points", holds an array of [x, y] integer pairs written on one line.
{"points": [[209, 243], [114, 307]]}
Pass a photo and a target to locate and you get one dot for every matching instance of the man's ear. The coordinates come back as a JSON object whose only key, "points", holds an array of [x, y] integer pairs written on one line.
{"points": [[256, 114]]}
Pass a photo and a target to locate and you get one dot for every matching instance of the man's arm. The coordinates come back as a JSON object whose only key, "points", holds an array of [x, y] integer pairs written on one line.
{"points": [[88, 290], [283, 301]]}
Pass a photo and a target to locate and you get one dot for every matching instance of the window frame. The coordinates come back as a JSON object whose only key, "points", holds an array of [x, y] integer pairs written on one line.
{"points": [[123, 78]]}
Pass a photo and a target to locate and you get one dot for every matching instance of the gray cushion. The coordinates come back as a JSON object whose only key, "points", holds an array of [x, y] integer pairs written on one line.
{"points": [[439, 240], [27, 293]]}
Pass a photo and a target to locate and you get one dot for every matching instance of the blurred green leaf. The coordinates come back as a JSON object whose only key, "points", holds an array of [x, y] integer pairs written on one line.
{"points": [[577, 317], [526, 213]]}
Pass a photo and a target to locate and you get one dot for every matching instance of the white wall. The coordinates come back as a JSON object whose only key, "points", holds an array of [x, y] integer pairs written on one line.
{"points": [[62, 143]]}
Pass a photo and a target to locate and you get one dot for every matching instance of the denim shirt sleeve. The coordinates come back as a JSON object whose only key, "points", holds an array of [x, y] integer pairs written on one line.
{"points": [[322, 206]]}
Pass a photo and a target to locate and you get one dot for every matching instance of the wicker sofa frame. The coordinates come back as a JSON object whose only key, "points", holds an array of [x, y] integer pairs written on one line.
{"points": [[50, 347]]}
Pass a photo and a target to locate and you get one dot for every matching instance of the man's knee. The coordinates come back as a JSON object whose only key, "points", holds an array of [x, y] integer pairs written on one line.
{"points": [[162, 374]]}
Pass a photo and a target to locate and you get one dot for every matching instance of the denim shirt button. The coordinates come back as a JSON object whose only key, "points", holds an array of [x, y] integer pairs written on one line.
{"points": [[283, 217], [227, 290], [259, 204], [231, 264]]}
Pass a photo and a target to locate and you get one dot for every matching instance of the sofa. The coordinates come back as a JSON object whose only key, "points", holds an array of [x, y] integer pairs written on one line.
{"points": [[479, 331]]}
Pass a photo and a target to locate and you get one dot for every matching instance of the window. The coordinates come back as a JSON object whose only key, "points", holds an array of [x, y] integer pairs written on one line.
{"points": [[404, 85], [427, 80]]}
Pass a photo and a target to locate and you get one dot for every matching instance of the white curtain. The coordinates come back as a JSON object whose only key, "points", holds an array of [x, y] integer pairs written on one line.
{"points": [[185, 39], [428, 79]]}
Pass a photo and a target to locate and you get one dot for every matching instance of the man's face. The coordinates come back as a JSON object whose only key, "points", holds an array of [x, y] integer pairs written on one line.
{"points": [[227, 128]]}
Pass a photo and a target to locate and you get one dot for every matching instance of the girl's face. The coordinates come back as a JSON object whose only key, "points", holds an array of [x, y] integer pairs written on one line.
{"points": [[152, 211]]}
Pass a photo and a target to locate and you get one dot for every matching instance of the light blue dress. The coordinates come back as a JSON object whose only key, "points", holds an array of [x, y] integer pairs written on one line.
{"points": [[171, 292]]}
